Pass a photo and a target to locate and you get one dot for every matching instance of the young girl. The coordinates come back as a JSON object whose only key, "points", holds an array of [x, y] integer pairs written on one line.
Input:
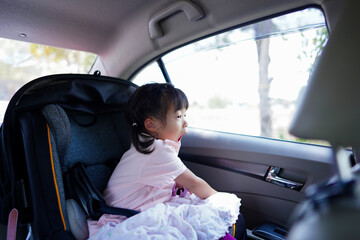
{"points": [[145, 177]]}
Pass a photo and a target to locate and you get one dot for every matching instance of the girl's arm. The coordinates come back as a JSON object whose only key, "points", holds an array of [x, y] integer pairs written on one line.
{"points": [[195, 184]]}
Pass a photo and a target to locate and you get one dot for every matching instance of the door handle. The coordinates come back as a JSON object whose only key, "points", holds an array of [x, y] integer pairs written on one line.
{"points": [[272, 177]]}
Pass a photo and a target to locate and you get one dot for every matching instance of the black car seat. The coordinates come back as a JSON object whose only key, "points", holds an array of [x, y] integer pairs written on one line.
{"points": [[52, 124], [95, 140]]}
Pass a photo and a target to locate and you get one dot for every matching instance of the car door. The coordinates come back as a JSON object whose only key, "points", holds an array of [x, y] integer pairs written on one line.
{"points": [[248, 166], [243, 86]]}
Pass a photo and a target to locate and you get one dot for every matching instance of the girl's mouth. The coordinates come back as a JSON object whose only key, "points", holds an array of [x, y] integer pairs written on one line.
{"points": [[180, 138]]}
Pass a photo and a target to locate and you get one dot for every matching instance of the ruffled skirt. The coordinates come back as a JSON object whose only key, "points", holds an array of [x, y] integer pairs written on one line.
{"points": [[186, 217]]}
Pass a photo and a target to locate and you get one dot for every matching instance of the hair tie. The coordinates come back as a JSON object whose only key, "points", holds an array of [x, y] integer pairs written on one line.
{"points": [[134, 124]]}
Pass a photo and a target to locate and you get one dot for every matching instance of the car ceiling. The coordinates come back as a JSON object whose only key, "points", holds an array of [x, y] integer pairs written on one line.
{"points": [[118, 30]]}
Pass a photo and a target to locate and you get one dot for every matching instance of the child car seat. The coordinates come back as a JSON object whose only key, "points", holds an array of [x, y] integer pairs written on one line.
{"points": [[52, 124]]}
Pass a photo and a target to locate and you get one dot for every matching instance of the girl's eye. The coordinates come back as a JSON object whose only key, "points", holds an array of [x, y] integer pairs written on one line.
{"points": [[178, 116]]}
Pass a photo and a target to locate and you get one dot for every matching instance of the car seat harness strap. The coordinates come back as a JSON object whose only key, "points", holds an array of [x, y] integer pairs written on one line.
{"points": [[78, 186]]}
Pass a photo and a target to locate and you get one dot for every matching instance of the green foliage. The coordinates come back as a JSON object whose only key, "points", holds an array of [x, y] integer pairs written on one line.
{"points": [[313, 50], [303, 140], [21, 62], [51, 54], [319, 42]]}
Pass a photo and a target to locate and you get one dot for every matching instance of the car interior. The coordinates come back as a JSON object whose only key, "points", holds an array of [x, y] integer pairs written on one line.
{"points": [[272, 87]]}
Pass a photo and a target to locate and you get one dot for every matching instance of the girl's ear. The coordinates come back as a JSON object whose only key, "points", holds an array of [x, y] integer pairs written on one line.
{"points": [[150, 125]]}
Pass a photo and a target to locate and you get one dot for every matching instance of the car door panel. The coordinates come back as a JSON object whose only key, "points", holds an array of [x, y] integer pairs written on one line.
{"points": [[239, 164]]}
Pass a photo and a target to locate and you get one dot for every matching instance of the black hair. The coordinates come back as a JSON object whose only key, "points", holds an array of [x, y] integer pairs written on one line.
{"points": [[152, 100]]}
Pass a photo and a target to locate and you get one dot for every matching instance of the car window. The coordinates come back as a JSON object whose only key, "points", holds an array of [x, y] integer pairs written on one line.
{"points": [[150, 74], [248, 80], [21, 62]]}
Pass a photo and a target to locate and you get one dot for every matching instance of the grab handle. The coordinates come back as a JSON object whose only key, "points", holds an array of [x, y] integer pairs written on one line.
{"points": [[192, 11]]}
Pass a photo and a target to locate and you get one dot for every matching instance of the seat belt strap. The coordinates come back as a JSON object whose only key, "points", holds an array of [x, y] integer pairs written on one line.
{"points": [[12, 224]]}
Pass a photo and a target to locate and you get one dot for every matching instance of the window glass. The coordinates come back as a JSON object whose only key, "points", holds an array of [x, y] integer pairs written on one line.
{"points": [[21, 62], [149, 74], [248, 80]]}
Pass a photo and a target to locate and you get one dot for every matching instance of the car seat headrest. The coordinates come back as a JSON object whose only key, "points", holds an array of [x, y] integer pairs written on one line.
{"points": [[328, 110]]}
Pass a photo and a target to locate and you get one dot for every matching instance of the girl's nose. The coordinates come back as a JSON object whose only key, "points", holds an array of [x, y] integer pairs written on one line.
{"points": [[185, 123]]}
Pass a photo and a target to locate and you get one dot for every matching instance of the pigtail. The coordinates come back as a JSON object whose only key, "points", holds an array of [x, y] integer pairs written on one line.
{"points": [[136, 115], [141, 140]]}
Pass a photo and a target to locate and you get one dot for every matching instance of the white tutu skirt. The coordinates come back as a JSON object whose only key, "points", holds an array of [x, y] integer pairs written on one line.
{"points": [[181, 218]]}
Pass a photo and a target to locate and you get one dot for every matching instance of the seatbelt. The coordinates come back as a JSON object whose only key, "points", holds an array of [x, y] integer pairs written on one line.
{"points": [[79, 187], [12, 224]]}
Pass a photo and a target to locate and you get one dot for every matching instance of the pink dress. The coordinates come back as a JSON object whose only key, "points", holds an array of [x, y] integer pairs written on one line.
{"points": [[140, 181]]}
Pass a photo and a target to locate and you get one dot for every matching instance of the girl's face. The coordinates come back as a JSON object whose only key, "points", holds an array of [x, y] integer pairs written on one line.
{"points": [[175, 126]]}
